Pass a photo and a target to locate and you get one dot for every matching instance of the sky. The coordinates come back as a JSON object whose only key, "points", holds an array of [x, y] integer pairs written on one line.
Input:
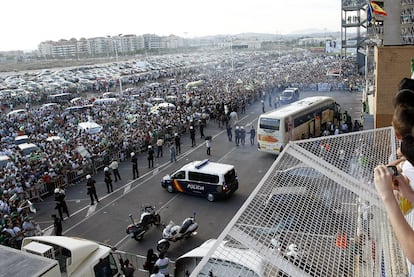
{"points": [[26, 23]]}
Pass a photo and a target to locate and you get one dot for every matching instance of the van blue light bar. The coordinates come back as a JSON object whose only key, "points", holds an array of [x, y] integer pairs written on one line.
{"points": [[201, 164]]}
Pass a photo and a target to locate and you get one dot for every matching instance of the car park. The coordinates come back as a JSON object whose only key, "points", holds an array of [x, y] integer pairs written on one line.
{"points": [[203, 178]]}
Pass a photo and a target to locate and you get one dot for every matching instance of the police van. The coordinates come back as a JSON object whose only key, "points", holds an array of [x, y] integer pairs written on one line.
{"points": [[204, 178], [289, 95]]}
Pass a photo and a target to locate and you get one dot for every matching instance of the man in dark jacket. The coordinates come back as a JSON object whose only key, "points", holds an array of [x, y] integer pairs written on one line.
{"points": [[177, 141], [57, 225], [150, 156], [192, 136]]}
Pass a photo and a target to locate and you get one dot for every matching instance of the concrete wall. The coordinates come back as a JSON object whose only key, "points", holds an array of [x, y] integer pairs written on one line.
{"points": [[392, 63], [392, 23]]}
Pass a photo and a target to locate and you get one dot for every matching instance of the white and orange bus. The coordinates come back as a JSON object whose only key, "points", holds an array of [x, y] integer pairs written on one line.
{"points": [[305, 118]]}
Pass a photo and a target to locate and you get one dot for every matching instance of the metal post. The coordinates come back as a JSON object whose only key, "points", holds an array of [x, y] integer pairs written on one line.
{"points": [[116, 58]]}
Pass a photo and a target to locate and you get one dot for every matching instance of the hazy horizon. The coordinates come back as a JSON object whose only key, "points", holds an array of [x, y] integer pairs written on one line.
{"points": [[26, 23]]}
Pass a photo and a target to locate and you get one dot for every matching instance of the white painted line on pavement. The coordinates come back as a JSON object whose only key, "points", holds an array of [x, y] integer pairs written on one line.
{"points": [[91, 210], [127, 188], [48, 232]]}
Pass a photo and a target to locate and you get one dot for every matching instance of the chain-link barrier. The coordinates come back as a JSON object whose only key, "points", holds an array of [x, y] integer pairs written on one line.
{"points": [[315, 213]]}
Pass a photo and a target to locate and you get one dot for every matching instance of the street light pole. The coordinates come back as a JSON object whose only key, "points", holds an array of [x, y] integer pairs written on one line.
{"points": [[116, 58], [115, 44], [231, 54]]}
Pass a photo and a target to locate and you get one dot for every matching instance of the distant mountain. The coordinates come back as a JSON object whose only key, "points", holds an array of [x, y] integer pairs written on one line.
{"points": [[267, 36]]}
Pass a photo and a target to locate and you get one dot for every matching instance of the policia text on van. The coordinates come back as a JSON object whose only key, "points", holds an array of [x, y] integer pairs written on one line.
{"points": [[204, 178]]}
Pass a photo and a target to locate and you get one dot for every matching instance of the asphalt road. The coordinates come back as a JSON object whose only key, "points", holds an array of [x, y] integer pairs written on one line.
{"points": [[106, 221]]}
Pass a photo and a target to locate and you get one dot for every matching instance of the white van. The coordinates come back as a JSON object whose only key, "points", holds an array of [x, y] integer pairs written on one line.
{"points": [[28, 148], [110, 95], [289, 95], [203, 178], [4, 160], [21, 139], [105, 101], [16, 113], [89, 127]]}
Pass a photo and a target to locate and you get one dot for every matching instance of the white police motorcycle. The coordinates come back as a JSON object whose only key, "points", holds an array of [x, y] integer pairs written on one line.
{"points": [[149, 217], [173, 233]]}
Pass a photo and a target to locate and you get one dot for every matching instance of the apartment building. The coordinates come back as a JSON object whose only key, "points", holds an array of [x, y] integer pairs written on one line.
{"points": [[107, 46]]}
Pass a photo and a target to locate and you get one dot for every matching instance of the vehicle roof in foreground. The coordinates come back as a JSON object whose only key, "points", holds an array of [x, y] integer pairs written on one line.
{"points": [[205, 166]]}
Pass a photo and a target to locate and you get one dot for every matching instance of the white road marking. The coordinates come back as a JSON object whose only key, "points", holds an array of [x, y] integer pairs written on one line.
{"points": [[91, 209], [127, 188]]}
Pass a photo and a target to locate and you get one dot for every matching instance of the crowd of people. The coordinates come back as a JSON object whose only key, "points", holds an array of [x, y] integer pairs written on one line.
{"points": [[132, 125]]}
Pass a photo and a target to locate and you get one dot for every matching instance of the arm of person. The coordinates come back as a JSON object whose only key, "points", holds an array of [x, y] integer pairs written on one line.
{"points": [[404, 189], [403, 231]]}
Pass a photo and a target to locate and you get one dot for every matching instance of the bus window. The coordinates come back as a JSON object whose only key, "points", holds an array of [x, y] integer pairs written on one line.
{"points": [[270, 123]]}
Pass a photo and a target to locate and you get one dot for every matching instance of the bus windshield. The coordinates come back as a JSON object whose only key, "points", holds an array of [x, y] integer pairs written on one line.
{"points": [[306, 118], [269, 123]]}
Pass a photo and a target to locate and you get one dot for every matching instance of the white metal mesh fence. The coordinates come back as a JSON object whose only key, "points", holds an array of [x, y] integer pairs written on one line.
{"points": [[315, 213]]}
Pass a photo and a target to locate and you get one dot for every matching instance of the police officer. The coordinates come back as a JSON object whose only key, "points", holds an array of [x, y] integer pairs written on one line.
{"points": [[108, 180], [91, 189], [61, 206], [134, 161]]}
